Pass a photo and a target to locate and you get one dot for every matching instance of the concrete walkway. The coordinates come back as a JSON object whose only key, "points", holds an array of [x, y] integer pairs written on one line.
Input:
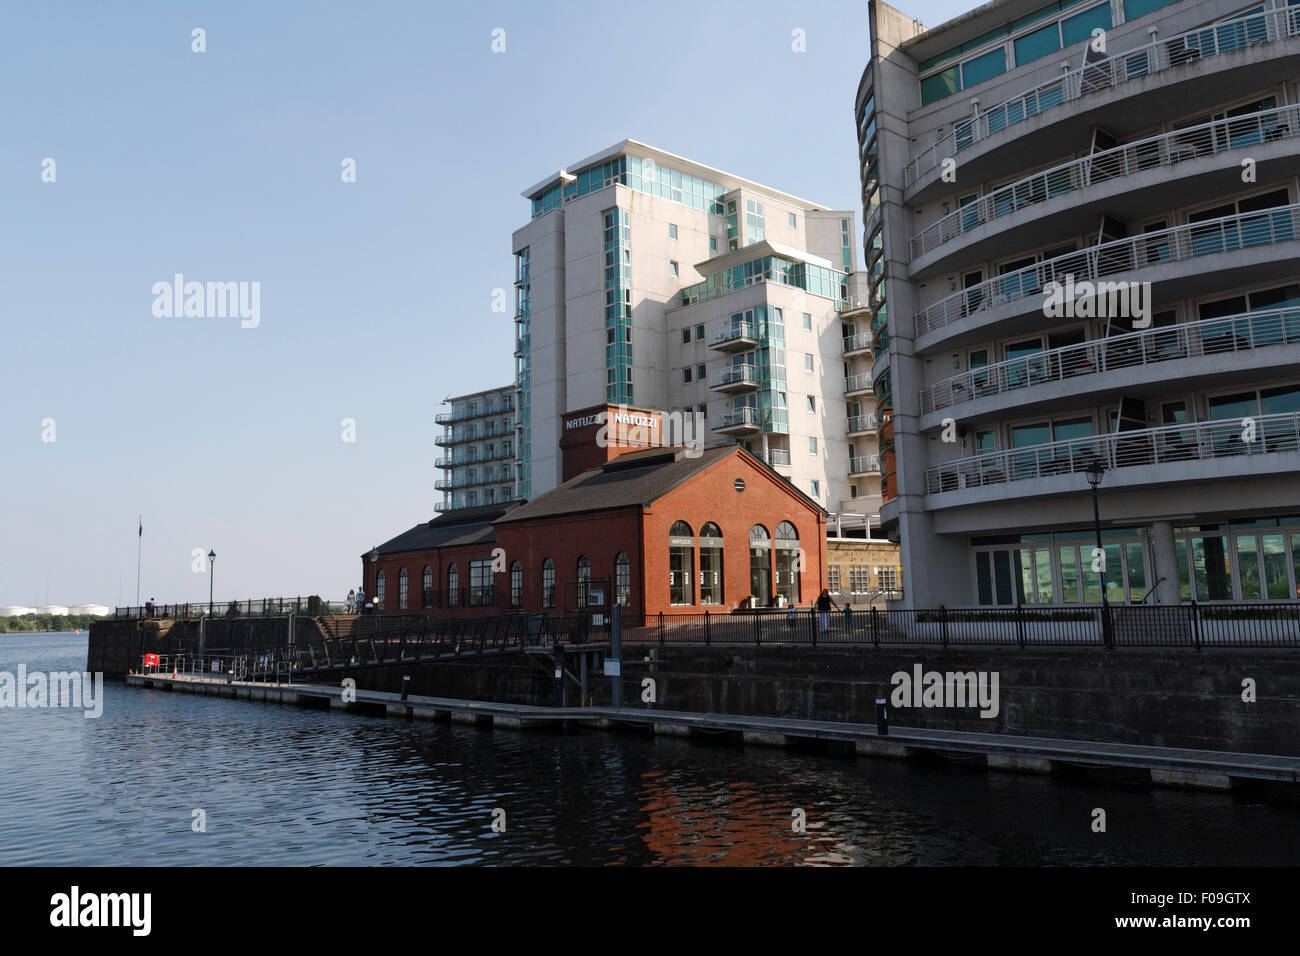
{"points": [[1208, 769]]}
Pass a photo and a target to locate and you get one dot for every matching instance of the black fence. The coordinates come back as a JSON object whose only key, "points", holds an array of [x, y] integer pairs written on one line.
{"points": [[256, 607], [1263, 624]]}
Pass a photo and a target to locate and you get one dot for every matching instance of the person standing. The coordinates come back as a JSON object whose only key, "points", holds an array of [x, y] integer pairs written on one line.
{"points": [[824, 605], [352, 600], [361, 600]]}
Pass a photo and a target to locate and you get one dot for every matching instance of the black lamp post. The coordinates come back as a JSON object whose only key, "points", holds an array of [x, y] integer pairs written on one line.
{"points": [[374, 580], [1094, 472], [212, 562]]}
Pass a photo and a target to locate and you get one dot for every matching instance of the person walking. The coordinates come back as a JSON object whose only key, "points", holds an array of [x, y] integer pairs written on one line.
{"points": [[352, 600], [824, 605], [361, 600]]}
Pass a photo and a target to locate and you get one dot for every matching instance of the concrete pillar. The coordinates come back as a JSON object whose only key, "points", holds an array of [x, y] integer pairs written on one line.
{"points": [[1166, 555]]}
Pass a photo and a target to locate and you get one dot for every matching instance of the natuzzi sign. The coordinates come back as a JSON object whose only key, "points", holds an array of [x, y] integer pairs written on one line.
{"points": [[626, 419]]}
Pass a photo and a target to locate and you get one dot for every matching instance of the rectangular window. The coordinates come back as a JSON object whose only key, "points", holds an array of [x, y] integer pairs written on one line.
{"points": [[816, 488], [1038, 44], [807, 321], [807, 362], [699, 372], [943, 83], [812, 441], [686, 336], [1078, 28], [672, 269], [812, 405], [1140, 8], [672, 230], [985, 67], [713, 243], [699, 333], [686, 374], [833, 577], [859, 579], [792, 221]]}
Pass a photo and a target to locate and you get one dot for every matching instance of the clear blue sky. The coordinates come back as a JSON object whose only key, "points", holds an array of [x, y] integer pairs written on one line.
{"points": [[375, 296]]}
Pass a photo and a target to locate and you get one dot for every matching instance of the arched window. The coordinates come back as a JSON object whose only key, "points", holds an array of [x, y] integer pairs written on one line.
{"points": [[548, 583], [681, 564], [379, 590], [426, 585], [788, 562], [760, 566], [623, 580], [584, 579], [453, 586], [402, 589], [711, 582], [516, 585]]}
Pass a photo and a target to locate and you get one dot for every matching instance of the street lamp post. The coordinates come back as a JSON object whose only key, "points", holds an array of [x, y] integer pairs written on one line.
{"points": [[1094, 472], [212, 561]]}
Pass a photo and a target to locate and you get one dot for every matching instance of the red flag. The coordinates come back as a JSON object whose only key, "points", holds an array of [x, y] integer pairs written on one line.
{"points": [[151, 660]]}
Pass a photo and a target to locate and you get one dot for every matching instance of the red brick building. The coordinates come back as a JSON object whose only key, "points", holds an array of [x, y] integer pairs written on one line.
{"points": [[653, 529]]}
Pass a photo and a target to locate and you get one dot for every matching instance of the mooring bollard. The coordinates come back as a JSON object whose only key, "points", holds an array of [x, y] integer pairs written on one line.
{"points": [[406, 685], [882, 717]]}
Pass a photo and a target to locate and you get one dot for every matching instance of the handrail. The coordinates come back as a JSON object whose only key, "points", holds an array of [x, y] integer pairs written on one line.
{"points": [[1243, 331], [452, 484], [193, 610], [1176, 244], [734, 375], [864, 464], [1213, 39], [1190, 441], [1165, 149], [858, 382], [733, 331], [863, 423], [859, 340], [744, 415]]}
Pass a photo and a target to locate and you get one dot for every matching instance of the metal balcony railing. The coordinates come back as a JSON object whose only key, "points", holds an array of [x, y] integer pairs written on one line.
{"points": [[1267, 26], [858, 383], [735, 331], [1242, 332], [734, 417], [1177, 244], [863, 423], [778, 457], [736, 375], [457, 460], [462, 415], [857, 341], [864, 465], [1168, 149], [1192, 441], [496, 478]]}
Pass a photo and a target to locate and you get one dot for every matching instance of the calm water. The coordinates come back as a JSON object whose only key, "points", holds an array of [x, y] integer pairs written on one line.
{"points": [[285, 785]]}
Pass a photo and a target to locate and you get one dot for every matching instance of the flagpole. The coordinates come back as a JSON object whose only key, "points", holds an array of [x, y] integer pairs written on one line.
{"points": [[138, 541]]}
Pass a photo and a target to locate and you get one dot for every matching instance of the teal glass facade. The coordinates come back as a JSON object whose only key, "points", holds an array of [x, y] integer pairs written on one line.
{"points": [[768, 359], [618, 307], [811, 278], [523, 371], [643, 175]]}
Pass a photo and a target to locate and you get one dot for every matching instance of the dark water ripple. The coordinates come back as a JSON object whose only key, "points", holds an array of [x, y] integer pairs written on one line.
{"points": [[291, 786]]}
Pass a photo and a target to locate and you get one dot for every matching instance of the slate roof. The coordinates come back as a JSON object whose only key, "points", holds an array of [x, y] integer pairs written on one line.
{"points": [[461, 527], [633, 479]]}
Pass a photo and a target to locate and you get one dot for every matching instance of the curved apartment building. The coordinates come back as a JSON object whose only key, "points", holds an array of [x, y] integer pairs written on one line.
{"points": [[1082, 234]]}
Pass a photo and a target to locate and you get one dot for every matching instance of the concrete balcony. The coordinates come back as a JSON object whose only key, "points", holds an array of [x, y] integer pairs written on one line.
{"points": [[864, 465], [738, 421], [1177, 455], [778, 458], [1214, 63], [1253, 247], [859, 384], [458, 461], [496, 478], [1147, 176], [738, 378], [857, 344], [464, 415], [1226, 350], [736, 336], [860, 425]]}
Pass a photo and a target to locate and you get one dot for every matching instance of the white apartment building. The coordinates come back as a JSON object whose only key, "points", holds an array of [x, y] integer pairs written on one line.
{"points": [[1128, 141], [650, 280], [478, 449]]}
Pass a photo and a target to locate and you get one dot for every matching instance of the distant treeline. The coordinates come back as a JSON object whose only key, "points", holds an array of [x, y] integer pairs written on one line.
{"points": [[47, 622]]}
